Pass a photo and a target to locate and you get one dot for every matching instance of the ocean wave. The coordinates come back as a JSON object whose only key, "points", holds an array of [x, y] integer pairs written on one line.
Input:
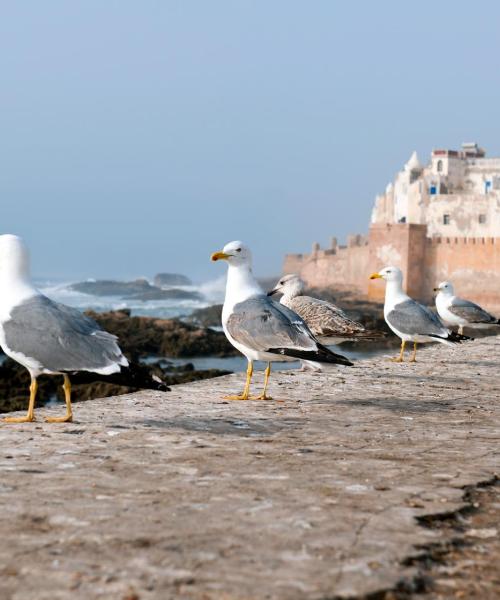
{"points": [[211, 292]]}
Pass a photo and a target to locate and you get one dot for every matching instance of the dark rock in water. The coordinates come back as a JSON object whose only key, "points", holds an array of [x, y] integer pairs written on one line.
{"points": [[140, 337], [112, 288], [211, 316], [155, 293], [164, 279], [139, 289]]}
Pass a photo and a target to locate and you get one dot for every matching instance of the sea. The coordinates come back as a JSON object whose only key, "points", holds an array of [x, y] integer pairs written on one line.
{"points": [[210, 293]]}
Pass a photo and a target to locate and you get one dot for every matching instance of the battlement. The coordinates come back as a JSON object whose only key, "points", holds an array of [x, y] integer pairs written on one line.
{"points": [[472, 263]]}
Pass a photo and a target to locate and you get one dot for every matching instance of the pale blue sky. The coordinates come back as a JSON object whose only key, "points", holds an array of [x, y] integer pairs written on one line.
{"points": [[138, 136]]}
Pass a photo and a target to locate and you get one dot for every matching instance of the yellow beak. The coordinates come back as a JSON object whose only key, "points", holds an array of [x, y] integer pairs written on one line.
{"points": [[375, 276], [219, 256]]}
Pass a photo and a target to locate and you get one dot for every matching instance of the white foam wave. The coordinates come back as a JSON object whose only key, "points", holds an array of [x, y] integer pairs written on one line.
{"points": [[211, 292]]}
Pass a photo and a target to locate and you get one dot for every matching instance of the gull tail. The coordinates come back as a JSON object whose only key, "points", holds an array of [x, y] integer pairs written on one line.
{"points": [[134, 375], [453, 337], [321, 355]]}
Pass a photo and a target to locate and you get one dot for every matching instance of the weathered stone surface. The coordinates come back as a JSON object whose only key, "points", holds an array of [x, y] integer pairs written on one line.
{"points": [[310, 496]]}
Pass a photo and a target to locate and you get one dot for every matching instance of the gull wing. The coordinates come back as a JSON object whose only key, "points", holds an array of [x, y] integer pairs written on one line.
{"points": [[411, 318], [260, 323], [469, 311], [60, 338], [325, 319]]}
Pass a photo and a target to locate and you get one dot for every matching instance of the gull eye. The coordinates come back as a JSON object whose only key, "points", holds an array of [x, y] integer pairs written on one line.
{"points": [[238, 249]]}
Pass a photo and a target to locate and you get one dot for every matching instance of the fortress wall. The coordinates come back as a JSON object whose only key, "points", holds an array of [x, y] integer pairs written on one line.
{"points": [[471, 264], [401, 245], [293, 263], [345, 267]]}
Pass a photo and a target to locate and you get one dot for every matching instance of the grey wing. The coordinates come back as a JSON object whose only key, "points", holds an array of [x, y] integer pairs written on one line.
{"points": [[260, 323], [60, 338], [470, 312], [324, 318], [412, 318]]}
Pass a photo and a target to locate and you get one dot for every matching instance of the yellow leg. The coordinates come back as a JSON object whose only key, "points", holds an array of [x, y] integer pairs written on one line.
{"points": [[30, 415], [246, 391], [68, 417], [414, 355], [400, 357], [263, 396]]}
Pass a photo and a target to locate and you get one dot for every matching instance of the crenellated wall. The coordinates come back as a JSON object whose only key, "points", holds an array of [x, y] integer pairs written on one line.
{"points": [[471, 264], [344, 266]]}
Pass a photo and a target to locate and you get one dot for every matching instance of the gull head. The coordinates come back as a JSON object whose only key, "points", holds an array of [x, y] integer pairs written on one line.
{"points": [[14, 256], [445, 287], [290, 285], [235, 253], [389, 274]]}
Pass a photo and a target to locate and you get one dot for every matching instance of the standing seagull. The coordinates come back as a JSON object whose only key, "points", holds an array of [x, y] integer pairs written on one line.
{"points": [[260, 328], [409, 320], [456, 311], [327, 321], [47, 337]]}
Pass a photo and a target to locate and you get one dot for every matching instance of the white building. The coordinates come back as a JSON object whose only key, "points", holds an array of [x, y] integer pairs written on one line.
{"points": [[456, 195]]}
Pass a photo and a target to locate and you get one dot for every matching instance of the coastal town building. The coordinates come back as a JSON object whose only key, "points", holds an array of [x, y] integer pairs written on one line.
{"points": [[439, 221]]}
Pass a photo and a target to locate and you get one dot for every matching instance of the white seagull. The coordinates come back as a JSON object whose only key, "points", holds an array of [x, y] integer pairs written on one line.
{"points": [[457, 311], [44, 336], [260, 328], [411, 321]]}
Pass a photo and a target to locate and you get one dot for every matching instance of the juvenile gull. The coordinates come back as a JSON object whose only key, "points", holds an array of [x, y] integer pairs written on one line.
{"points": [[328, 322], [457, 311], [46, 337], [409, 320], [260, 328]]}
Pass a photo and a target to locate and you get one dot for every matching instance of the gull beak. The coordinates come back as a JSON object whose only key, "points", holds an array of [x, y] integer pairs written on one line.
{"points": [[376, 276], [219, 256], [272, 292], [436, 289]]}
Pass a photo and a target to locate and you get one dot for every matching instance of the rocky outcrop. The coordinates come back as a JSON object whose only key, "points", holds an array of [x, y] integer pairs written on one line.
{"points": [[140, 289], [210, 316], [110, 287], [172, 294], [169, 279], [140, 337]]}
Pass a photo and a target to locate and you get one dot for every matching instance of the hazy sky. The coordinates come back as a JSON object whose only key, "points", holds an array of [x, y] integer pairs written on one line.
{"points": [[138, 136]]}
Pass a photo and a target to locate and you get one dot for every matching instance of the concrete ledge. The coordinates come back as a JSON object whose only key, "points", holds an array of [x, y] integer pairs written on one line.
{"points": [[313, 495]]}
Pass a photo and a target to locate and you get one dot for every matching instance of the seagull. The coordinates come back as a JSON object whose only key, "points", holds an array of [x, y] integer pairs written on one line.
{"points": [[259, 327], [456, 311], [409, 320], [328, 322], [50, 338]]}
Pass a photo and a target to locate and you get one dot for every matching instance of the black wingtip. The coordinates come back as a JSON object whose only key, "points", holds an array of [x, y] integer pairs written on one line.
{"points": [[322, 355], [458, 337], [133, 376]]}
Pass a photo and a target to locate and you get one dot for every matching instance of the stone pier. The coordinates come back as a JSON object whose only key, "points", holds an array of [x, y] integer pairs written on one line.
{"points": [[318, 494]]}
